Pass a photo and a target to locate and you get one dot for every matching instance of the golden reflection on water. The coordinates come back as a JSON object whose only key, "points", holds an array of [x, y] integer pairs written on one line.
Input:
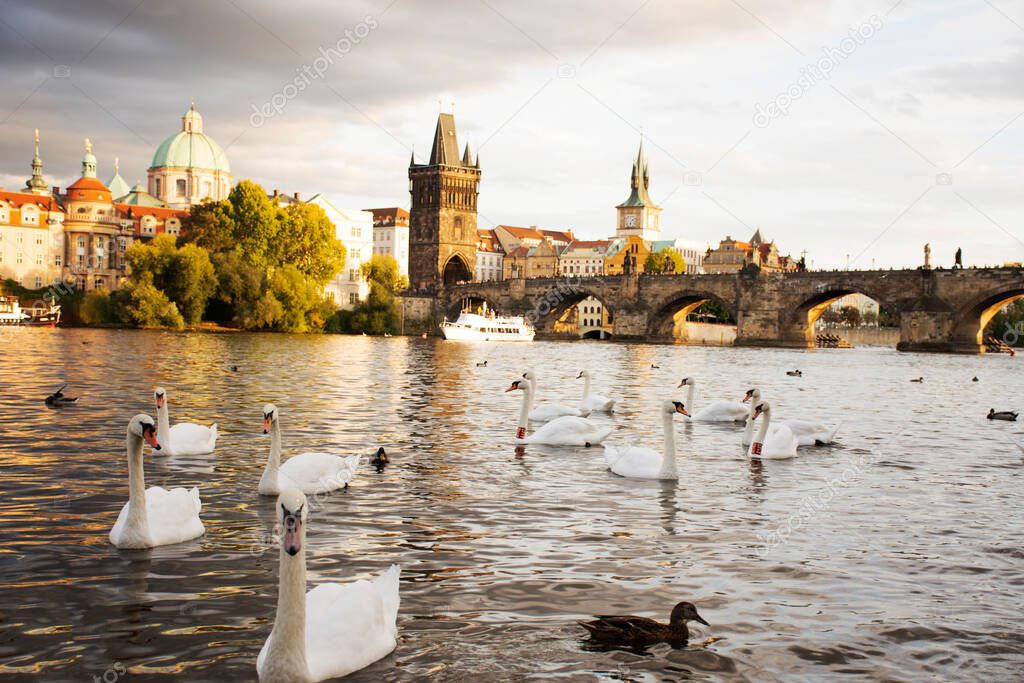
{"points": [[503, 547]]}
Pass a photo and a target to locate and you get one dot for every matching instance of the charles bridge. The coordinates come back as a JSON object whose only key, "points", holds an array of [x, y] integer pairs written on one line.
{"points": [[938, 310]]}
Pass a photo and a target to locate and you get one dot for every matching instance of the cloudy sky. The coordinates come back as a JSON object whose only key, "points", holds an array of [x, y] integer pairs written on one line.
{"points": [[854, 129]]}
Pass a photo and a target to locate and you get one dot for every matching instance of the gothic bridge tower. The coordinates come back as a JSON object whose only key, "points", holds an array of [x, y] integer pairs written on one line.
{"points": [[442, 214]]}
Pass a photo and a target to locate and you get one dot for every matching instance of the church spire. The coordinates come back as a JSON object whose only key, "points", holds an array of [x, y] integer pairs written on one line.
{"points": [[639, 181], [466, 159], [36, 183]]}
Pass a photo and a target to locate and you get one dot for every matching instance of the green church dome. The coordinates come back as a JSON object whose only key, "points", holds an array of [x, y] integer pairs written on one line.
{"points": [[191, 148]]}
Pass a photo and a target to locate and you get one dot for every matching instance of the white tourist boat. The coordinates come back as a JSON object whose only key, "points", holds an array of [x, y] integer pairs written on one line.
{"points": [[11, 313], [487, 327]]}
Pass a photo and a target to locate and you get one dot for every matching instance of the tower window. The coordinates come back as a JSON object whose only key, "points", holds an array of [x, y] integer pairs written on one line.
{"points": [[180, 187]]}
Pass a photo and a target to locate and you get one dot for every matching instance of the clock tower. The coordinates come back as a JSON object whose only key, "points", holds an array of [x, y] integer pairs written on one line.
{"points": [[638, 215]]}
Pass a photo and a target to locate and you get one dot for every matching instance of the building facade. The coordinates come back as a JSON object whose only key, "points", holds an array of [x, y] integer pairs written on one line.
{"points": [[639, 216], [443, 213], [354, 229], [490, 257], [584, 258], [626, 255], [189, 168], [732, 256], [391, 235]]}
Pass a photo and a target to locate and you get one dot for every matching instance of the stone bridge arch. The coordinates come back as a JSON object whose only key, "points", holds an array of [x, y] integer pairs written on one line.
{"points": [[971, 320], [667, 320], [471, 298], [549, 309], [798, 321]]}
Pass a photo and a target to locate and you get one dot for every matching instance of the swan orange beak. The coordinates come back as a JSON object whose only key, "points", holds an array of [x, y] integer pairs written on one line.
{"points": [[159, 401], [757, 413], [266, 424], [512, 387], [682, 410], [149, 434]]}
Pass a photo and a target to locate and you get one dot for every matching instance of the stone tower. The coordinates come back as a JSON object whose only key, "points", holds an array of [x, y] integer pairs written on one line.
{"points": [[442, 214], [639, 215]]}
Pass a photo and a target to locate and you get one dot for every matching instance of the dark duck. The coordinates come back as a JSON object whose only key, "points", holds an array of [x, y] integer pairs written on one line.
{"points": [[1007, 415], [58, 398], [379, 459], [641, 632]]}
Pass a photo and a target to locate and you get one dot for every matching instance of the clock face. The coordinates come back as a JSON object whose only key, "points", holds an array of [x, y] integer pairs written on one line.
{"points": [[631, 221]]}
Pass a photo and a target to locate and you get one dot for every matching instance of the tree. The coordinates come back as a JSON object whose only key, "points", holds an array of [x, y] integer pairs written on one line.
{"points": [[1008, 324], [850, 316], [383, 269], [306, 239], [665, 261], [143, 305], [185, 276], [97, 308], [711, 309]]}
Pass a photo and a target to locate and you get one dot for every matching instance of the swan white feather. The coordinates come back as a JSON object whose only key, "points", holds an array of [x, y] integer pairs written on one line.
{"points": [[308, 472], [779, 444], [716, 411], [155, 516], [184, 438], [568, 430], [807, 432], [333, 630], [594, 403], [548, 411], [639, 462]]}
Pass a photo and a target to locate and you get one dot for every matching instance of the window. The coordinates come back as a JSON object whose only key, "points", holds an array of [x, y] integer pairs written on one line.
{"points": [[39, 282], [81, 261], [357, 231], [21, 237], [180, 187], [19, 257], [57, 260], [156, 187], [353, 275], [357, 253], [39, 259], [353, 298], [39, 239], [81, 243]]}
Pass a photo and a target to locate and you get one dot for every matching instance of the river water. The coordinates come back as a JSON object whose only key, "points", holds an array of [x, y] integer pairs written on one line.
{"points": [[896, 554]]}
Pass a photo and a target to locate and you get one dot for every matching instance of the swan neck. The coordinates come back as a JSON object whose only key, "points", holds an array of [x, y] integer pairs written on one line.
{"points": [[269, 479], [763, 432], [586, 387], [524, 411], [748, 430], [668, 460], [533, 393], [163, 425], [287, 643], [137, 518], [689, 398]]}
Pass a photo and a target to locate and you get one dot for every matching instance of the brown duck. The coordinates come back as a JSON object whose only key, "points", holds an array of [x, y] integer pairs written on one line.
{"points": [[641, 632]]}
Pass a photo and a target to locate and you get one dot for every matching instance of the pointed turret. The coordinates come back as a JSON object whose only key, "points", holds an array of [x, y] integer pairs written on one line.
{"points": [[119, 187], [445, 151], [639, 182], [466, 160], [36, 184]]}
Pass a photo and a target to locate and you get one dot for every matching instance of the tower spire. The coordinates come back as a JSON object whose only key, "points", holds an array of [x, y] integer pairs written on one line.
{"points": [[36, 183], [88, 161]]}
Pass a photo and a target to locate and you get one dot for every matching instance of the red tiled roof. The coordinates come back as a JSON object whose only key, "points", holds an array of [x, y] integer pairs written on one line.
{"points": [[590, 244], [88, 184], [520, 251], [47, 202], [137, 210], [558, 235], [521, 233], [394, 213]]}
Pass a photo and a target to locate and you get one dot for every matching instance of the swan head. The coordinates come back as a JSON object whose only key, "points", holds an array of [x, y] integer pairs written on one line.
{"points": [[675, 407], [143, 427], [685, 382], [528, 375], [269, 416], [583, 373], [518, 385], [684, 612], [752, 395], [291, 508], [762, 408], [160, 395]]}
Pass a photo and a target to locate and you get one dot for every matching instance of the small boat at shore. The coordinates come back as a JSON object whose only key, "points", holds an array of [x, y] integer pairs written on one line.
{"points": [[11, 313], [477, 327]]}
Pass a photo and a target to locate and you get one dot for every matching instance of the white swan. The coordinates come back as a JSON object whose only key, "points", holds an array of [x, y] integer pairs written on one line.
{"points": [[334, 629], [637, 462], [807, 432], [562, 431], [548, 411], [717, 411], [155, 516], [308, 472], [184, 438], [594, 403], [778, 445]]}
